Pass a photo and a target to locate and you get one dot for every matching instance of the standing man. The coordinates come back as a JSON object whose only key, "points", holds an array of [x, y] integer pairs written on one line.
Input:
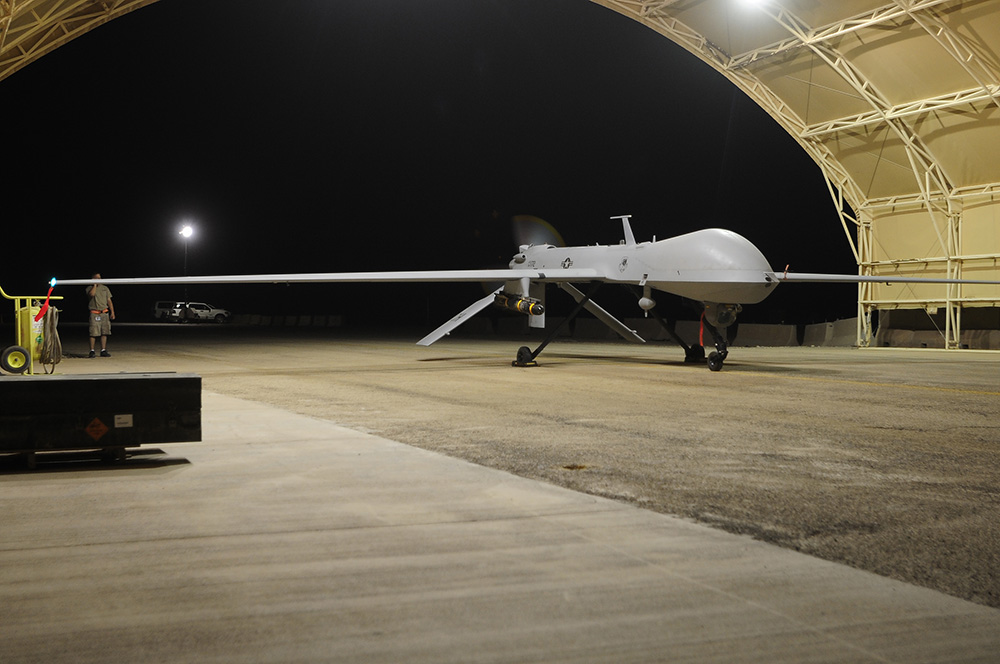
{"points": [[102, 312]]}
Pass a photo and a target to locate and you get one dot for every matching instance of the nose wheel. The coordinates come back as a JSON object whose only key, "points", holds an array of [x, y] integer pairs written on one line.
{"points": [[715, 360]]}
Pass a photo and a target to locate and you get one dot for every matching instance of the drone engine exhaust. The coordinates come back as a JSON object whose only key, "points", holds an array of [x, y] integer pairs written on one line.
{"points": [[519, 303]]}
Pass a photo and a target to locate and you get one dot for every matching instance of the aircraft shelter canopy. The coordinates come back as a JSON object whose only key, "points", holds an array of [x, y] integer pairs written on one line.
{"points": [[898, 102]]}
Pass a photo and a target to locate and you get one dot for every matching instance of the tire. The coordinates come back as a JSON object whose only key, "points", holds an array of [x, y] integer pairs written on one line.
{"points": [[15, 360], [695, 354], [220, 319], [524, 357], [715, 361]]}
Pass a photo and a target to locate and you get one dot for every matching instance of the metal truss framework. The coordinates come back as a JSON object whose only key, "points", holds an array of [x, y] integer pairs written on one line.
{"points": [[31, 28], [938, 190]]}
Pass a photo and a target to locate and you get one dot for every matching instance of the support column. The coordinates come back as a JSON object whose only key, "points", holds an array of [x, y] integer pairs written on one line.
{"points": [[953, 306], [865, 332]]}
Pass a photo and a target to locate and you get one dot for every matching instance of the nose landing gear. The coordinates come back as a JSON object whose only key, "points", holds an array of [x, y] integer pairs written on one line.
{"points": [[714, 317]]}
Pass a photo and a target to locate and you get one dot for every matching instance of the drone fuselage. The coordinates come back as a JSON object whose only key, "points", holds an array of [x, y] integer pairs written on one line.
{"points": [[711, 265]]}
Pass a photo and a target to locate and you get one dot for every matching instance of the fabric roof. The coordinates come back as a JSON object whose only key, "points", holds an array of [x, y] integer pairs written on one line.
{"points": [[903, 97]]}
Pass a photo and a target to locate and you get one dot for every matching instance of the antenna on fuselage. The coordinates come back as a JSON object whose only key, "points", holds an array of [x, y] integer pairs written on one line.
{"points": [[627, 228]]}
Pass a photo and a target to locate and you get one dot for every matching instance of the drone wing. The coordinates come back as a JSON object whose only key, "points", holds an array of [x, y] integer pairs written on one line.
{"points": [[428, 276], [817, 278]]}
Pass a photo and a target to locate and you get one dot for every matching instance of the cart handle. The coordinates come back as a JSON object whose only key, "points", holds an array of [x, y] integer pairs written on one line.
{"points": [[17, 298]]}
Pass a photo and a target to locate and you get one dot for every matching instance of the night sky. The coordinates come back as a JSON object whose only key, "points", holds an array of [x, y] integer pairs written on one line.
{"points": [[380, 134]]}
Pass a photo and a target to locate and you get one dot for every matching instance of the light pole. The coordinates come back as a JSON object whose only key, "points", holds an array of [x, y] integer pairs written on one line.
{"points": [[186, 232]]}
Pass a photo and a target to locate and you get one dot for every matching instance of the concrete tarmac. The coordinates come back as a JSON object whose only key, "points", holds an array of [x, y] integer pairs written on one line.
{"points": [[285, 536]]}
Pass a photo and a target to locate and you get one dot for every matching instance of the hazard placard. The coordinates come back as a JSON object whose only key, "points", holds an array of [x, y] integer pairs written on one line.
{"points": [[96, 429]]}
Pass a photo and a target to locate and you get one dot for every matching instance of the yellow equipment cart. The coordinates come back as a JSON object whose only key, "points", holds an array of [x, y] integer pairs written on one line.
{"points": [[29, 334]]}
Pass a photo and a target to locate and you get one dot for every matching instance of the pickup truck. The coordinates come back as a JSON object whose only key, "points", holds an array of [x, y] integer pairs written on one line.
{"points": [[199, 311]]}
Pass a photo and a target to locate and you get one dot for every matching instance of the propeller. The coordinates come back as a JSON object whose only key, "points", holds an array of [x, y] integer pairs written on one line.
{"points": [[528, 229]]}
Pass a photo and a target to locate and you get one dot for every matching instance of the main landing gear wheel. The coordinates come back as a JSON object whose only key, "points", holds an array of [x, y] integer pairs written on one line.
{"points": [[524, 358], [715, 361], [694, 354], [15, 360]]}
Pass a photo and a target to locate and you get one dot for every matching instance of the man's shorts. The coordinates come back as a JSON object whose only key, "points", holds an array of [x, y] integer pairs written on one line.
{"points": [[100, 324]]}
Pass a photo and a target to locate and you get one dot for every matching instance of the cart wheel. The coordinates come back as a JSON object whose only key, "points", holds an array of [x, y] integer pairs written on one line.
{"points": [[15, 360]]}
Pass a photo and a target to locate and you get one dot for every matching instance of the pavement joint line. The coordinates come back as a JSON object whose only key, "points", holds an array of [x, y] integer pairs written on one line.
{"points": [[305, 531]]}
